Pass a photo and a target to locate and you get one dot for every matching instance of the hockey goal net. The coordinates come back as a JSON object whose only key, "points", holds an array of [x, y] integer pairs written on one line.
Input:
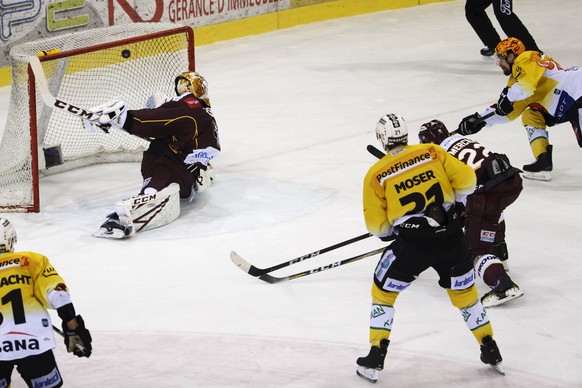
{"points": [[86, 68]]}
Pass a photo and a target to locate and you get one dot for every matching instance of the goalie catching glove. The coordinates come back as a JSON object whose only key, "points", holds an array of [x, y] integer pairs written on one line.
{"points": [[113, 112]]}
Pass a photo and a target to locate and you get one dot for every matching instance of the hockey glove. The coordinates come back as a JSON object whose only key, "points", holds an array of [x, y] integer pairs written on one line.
{"points": [[471, 124], [504, 106], [156, 100], [94, 126], [114, 112], [78, 341]]}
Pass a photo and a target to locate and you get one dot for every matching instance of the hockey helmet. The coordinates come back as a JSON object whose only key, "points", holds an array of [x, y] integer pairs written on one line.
{"points": [[513, 45], [7, 236], [434, 131], [193, 82], [391, 131]]}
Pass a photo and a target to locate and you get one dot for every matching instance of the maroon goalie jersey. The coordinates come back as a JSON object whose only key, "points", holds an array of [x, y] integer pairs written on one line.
{"points": [[180, 129]]}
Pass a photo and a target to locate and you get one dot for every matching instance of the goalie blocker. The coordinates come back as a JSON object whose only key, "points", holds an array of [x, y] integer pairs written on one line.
{"points": [[142, 212]]}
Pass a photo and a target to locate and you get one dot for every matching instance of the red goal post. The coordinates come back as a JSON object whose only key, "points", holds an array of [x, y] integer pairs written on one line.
{"points": [[86, 69]]}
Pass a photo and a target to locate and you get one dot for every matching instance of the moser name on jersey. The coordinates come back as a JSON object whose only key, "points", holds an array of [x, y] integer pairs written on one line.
{"points": [[14, 279], [414, 181], [401, 166]]}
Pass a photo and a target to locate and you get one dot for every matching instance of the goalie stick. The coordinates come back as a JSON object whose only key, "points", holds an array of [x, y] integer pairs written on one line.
{"points": [[274, 279], [255, 271], [51, 100]]}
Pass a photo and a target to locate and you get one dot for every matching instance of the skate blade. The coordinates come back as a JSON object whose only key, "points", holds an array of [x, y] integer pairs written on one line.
{"points": [[545, 176], [494, 300], [367, 374], [114, 234], [498, 368]]}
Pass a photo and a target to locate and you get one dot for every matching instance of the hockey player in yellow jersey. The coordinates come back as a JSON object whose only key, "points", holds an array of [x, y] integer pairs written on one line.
{"points": [[409, 197], [542, 92], [29, 285]]}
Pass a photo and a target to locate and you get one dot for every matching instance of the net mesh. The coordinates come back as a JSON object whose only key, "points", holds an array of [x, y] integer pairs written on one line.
{"points": [[86, 69]]}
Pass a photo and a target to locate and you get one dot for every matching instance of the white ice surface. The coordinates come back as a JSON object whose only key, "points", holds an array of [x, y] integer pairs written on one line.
{"points": [[296, 109]]}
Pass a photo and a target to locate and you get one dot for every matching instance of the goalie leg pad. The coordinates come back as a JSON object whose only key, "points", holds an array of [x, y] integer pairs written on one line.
{"points": [[151, 211]]}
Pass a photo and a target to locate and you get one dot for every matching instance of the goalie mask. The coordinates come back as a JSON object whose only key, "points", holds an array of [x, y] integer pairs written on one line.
{"points": [[391, 131], [434, 131], [7, 236], [192, 82]]}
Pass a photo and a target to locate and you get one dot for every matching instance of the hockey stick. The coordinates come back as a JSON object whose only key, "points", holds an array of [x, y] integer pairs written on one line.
{"points": [[254, 271], [51, 100], [59, 331], [273, 279]]}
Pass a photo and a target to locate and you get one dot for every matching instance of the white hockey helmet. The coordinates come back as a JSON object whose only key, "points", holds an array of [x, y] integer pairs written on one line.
{"points": [[7, 236], [193, 82], [391, 131]]}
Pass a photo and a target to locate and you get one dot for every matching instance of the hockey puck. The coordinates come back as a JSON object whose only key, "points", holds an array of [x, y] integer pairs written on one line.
{"points": [[126, 53]]}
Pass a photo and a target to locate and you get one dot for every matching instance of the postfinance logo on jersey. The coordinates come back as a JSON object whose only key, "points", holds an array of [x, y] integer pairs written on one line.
{"points": [[402, 166], [12, 262]]}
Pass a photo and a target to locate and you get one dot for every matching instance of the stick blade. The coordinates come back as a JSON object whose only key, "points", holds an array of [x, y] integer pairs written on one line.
{"points": [[240, 262], [375, 151]]}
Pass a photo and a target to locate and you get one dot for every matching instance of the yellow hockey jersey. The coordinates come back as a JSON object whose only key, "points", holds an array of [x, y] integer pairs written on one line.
{"points": [[409, 178], [545, 85], [26, 278]]}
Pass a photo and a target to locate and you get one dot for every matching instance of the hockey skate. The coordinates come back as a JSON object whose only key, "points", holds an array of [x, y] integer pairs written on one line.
{"points": [[541, 169], [369, 366], [504, 291], [487, 52], [115, 228], [490, 354]]}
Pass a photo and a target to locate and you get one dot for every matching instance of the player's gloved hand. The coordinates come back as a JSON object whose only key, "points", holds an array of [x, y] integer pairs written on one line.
{"points": [[460, 210], [156, 100], [114, 112], [94, 126], [504, 106], [471, 124], [78, 341]]}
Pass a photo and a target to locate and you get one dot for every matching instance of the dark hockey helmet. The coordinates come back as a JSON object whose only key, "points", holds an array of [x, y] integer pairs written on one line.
{"points": [[508, 45], [7, 236], [433, 132]]}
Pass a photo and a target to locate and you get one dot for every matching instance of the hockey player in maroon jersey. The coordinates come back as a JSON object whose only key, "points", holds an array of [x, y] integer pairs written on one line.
{"points": [[183, 140], [498, 186], [409, 196], [29, 286]]}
